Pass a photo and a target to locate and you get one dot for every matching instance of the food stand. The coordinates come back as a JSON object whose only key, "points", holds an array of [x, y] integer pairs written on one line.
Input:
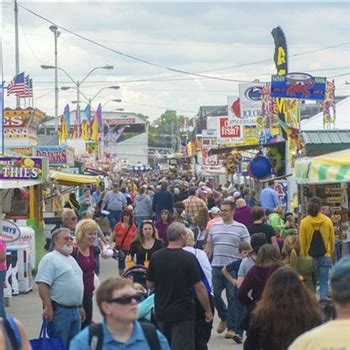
{"points": [[328, 177], [21, 185]]}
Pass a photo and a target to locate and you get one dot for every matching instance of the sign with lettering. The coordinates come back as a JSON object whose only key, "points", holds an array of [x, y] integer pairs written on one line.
{"points": [[250, 103], [14, 168], [57, 155], [228, 133], [10, 231], [299, 86]]}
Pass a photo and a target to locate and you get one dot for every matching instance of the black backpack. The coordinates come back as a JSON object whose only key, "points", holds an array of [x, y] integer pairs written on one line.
{"points": [[317, 247], [96, 336]]}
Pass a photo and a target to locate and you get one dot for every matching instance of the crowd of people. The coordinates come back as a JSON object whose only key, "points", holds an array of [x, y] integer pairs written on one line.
{"points": [[178, 245]]}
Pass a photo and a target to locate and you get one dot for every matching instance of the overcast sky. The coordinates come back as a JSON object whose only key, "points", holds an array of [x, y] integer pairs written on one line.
{"points": [[224, 40]]}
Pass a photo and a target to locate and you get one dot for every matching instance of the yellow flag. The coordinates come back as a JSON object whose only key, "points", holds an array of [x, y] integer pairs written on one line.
{"points": [[94, 135]]}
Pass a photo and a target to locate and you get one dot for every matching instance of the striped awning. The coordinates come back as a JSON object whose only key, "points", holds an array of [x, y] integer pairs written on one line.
{"points": [[328, 168]]}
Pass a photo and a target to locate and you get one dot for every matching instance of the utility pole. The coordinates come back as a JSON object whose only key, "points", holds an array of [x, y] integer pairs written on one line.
{"points": [[56, 34], [78, 107], [18, 101]]}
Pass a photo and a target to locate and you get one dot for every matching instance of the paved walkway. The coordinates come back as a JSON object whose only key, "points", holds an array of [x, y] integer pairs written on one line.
{"points": [[27, 308]]}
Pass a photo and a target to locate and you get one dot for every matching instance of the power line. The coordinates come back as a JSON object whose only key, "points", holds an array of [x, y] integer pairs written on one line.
{"points": [[158, 107], [200, 74], [26, 39], [128, 55]]}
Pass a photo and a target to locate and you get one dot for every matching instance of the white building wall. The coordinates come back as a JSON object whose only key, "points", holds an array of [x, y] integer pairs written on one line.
{"points": [[134, 149]]}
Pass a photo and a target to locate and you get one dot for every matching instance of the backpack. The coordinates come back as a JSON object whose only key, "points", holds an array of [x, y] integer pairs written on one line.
{"points": [[12, 332], [317, 247], [96, 336]]}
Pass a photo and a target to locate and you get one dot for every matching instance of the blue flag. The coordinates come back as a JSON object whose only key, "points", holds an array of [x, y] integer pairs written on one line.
{"points": [[87, 112]]}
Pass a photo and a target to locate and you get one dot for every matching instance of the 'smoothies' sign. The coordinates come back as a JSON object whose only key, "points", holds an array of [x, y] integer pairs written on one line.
{"points": [[14, 168]]}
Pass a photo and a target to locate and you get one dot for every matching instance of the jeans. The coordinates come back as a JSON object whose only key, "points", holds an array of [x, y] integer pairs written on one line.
{"points": [[114, 217], [140, 219], [238, 313], [66, 323], [180, 335], [226, 313], [2, 286], [322, 266]]}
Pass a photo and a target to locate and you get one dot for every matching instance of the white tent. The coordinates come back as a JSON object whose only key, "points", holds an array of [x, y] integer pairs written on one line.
{"points": [[342, 120]]}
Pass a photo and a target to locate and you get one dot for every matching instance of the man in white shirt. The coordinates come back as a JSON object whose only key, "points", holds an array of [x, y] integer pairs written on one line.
{"points": [[223, 242], [60, 283]]}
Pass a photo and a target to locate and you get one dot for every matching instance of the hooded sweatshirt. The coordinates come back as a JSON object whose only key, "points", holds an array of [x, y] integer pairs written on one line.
{"points": [[255, 282], [143, 205], [312, 223]]}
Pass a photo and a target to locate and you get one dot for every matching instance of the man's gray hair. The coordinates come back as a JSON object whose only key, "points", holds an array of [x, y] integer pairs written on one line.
{"points": [[55, 235], [67, 213], [175, 230]]}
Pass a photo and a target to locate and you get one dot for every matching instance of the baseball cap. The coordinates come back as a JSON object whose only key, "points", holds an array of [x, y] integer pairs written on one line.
{"points": [[340, 275], [214, 210], [207, 189], [201, 184], [236, 195]]}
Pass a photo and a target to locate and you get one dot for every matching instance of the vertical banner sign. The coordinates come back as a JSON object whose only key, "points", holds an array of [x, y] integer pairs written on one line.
{"points": [[281, 62]]}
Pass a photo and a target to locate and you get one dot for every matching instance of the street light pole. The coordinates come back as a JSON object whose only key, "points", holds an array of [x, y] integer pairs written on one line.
{"points": [[56, 34], [76, 83], [18, 101]]}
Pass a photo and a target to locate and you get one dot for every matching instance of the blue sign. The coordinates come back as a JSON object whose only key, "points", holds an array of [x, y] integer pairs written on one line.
{"points": [[299, 86]]}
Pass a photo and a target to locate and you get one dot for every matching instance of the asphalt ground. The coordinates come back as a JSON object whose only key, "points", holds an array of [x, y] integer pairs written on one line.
{"points": [[27, 308]]}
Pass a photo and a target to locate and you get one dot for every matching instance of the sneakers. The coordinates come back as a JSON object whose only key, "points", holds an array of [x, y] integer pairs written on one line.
{"points": [[221, 327], [230, 334], [237, 338]]}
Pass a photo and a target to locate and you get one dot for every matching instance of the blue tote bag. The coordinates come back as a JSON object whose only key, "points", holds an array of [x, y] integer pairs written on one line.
{"points": [[46, 343]]}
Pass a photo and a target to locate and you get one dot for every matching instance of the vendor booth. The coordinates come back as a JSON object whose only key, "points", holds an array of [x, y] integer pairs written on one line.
{"points": [[328, 177], [21, 214]]}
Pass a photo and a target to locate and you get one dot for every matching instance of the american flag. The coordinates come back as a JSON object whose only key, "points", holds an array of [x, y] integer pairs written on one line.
{"points": [[28, 88], [17, 85]]}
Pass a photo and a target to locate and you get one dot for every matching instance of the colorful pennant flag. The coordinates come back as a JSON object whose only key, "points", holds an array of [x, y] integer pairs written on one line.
{"points": [[99, 116], [87, 112]]}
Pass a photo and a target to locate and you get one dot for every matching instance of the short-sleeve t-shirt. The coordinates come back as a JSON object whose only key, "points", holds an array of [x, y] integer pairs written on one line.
{"points": [[246, 264], [137, 249], [3, 250], [174, 272], [64, 277], [225, 240], [234, 267], [267, 230]]}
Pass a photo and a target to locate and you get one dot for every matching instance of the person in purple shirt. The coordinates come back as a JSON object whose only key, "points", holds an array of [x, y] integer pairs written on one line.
{"points": [[243, 213], [268, 196], [162, 226]]}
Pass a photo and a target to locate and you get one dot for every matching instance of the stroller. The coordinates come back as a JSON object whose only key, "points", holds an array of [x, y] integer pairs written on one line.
{"points": [[137, 274]]}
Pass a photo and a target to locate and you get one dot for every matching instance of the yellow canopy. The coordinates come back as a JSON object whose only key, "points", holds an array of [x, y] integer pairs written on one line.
{"points": [[68, 179], [327, 168]]}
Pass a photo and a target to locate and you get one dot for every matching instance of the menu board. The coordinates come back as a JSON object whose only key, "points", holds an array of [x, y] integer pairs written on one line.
{"points": [[337, 201]]}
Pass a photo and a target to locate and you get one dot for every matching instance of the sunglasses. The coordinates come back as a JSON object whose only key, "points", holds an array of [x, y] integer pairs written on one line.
{"points": [[126, 299]]}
